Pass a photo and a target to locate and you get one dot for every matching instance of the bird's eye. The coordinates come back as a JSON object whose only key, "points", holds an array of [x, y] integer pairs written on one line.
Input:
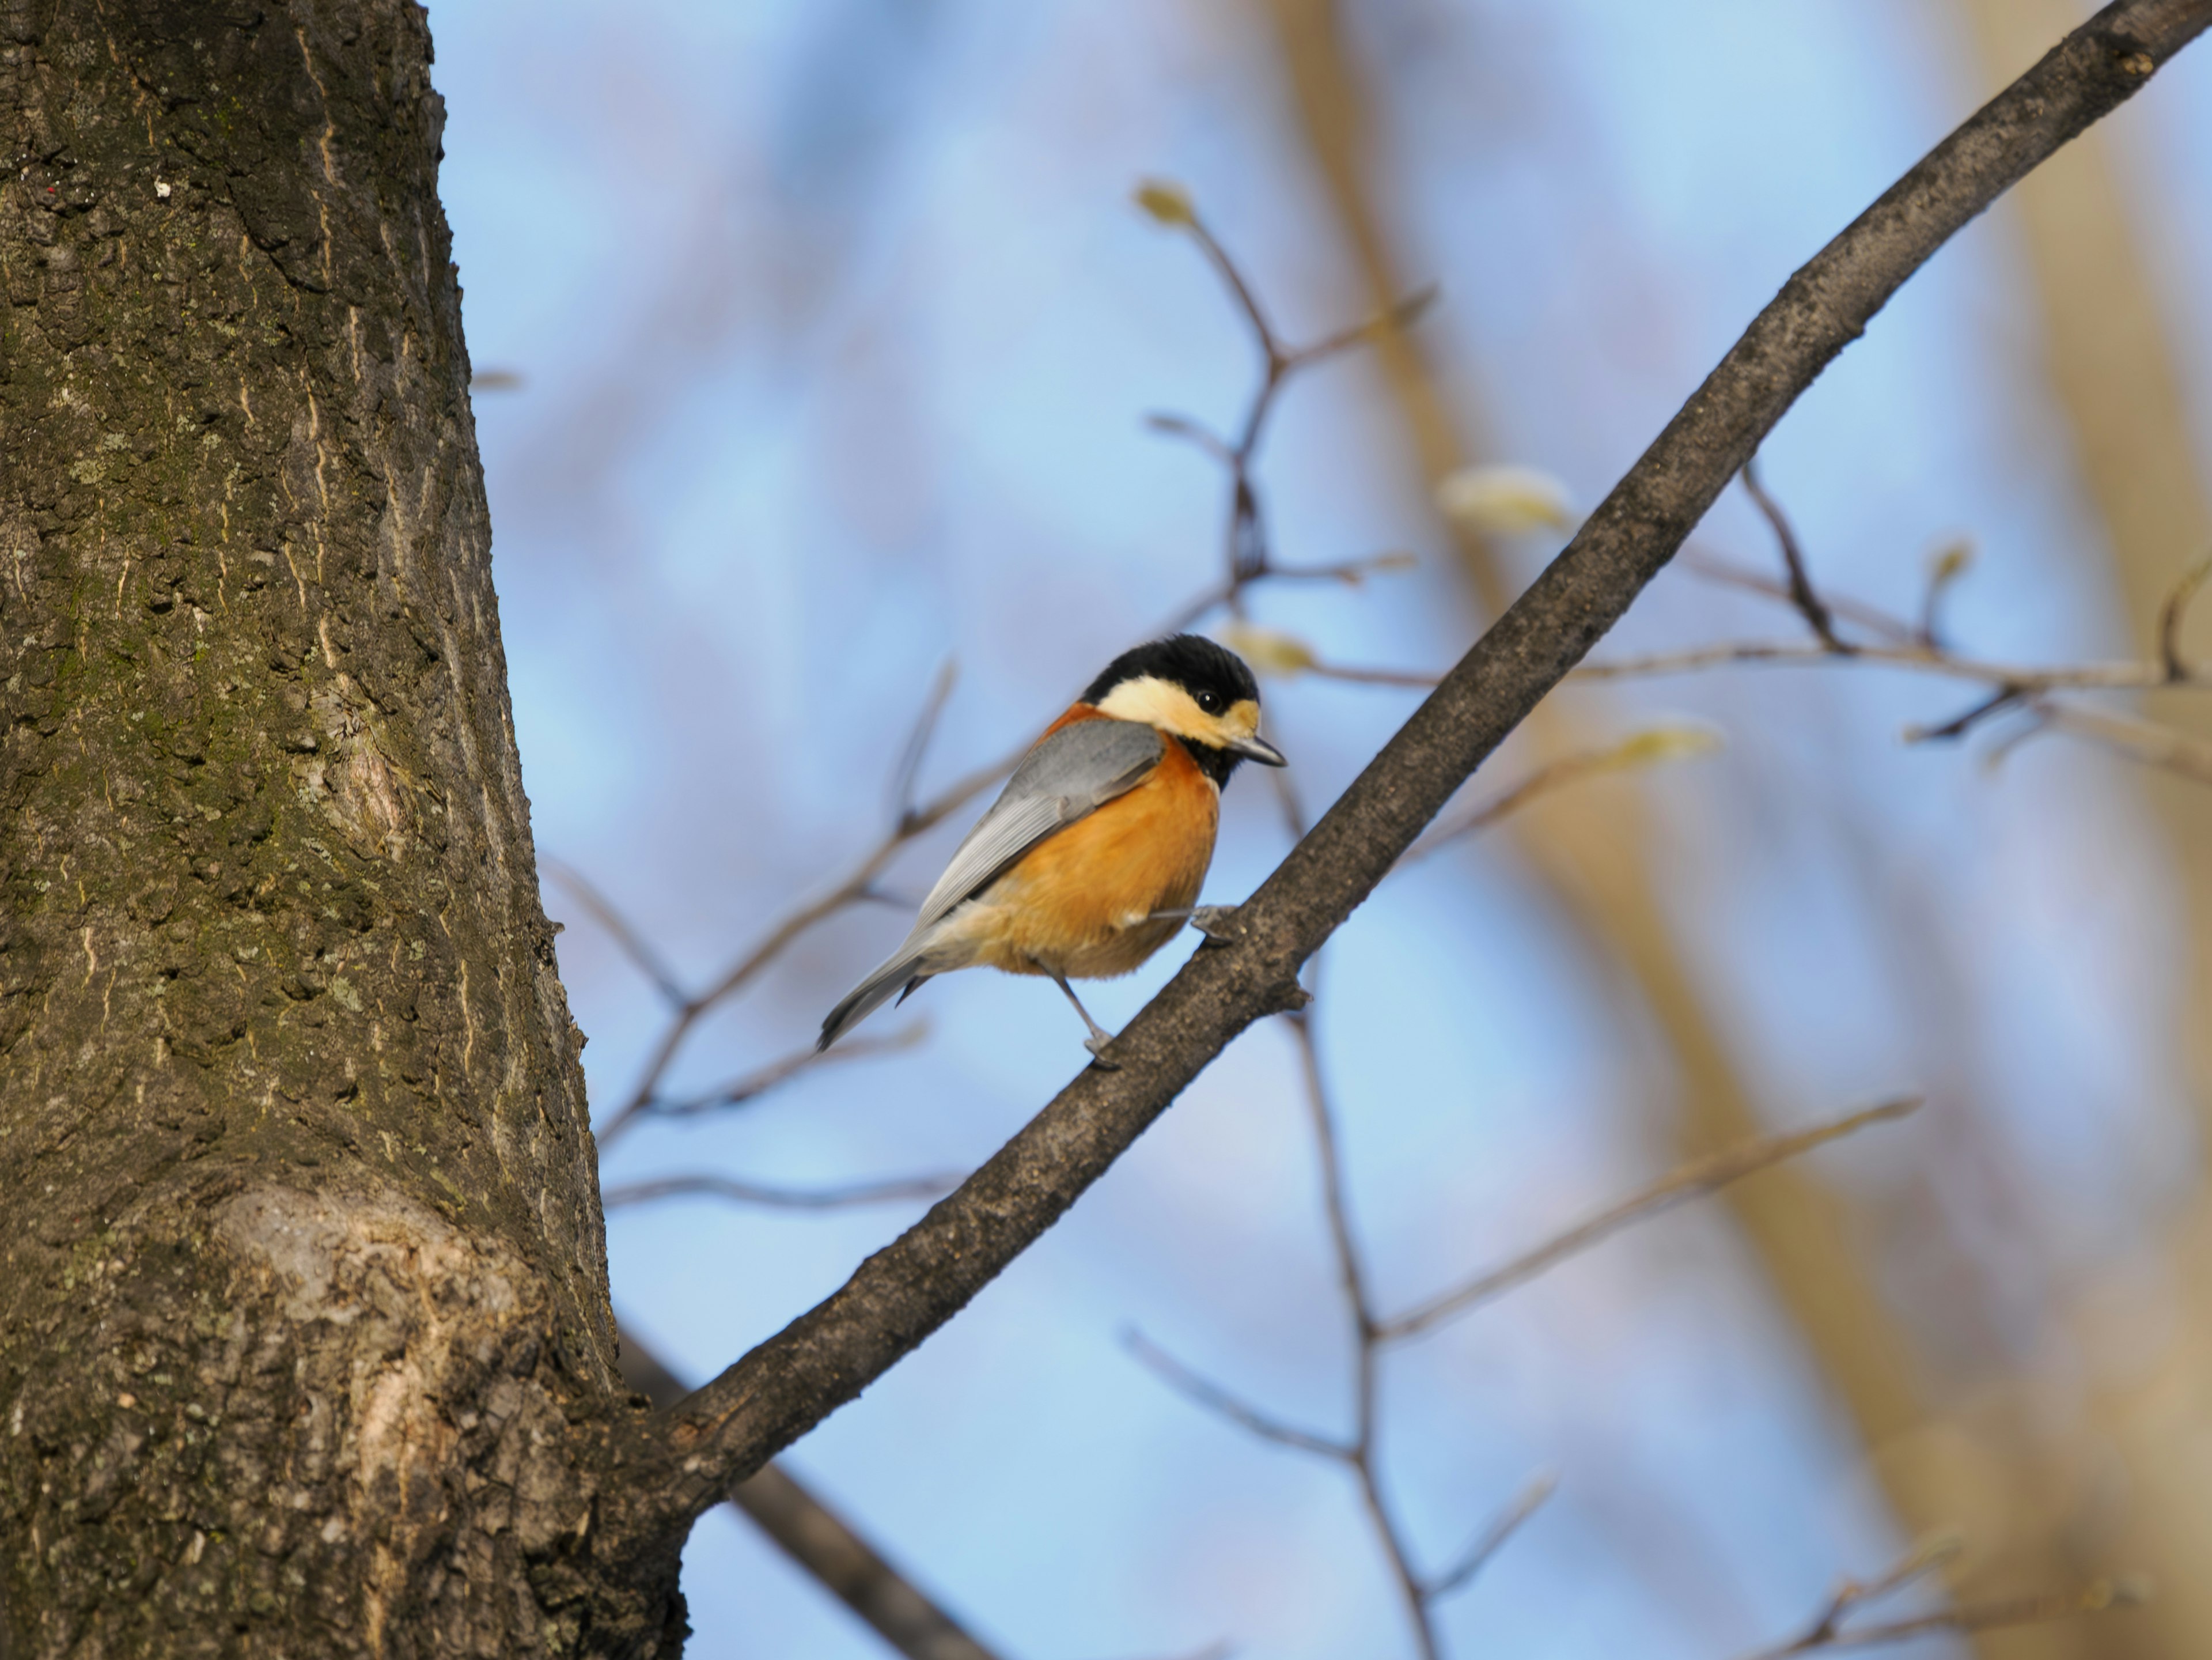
{"points": [[1210, 701]]}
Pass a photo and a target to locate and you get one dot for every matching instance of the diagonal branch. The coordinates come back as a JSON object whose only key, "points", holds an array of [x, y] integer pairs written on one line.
{"points": [[1691, 1181], [817, 1539], [662, 1473]]}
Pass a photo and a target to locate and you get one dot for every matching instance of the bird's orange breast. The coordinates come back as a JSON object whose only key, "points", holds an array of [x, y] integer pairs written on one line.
{"points": [[1078, 903]]}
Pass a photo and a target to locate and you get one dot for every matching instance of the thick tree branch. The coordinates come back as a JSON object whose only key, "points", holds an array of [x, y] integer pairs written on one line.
{"points": [[817, 1539], [664, 1474]]}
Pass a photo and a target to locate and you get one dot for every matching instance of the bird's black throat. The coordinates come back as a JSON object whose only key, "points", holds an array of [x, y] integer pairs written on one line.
{"points": [[1213, 761]]}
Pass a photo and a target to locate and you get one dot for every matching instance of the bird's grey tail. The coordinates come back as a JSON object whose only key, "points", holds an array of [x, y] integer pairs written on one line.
{"points": [[902, 974]]}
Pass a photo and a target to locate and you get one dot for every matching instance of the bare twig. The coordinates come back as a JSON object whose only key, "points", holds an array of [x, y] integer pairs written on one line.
{"points": [[917, 744], [1350, 572], [2172, 613], [1830, 1632], [1248, 555], [1966, 720], [858, 886], [1492, 1539], [662, 1475], [2154, 746], [1679, 1186], [2012, 687], [2002, 1615], [819, 1540], [1651, 745], [739, 1192], [1801, 594], [634, 944], [1946, 568], [750, 1087], [2098, 677], [1205, 1392], [1726, 573], [1413, 678]]}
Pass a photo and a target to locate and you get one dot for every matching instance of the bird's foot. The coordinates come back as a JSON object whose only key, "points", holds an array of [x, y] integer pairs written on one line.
{"points": [[1096, 1043], [1216, 922]]}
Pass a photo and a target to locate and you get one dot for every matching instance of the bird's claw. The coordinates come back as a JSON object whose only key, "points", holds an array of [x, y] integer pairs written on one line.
{"points": [[1216, 922], [1096, 1043]]}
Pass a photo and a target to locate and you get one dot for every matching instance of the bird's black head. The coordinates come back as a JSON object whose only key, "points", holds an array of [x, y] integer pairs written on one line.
{"points": [[1193, 690]]}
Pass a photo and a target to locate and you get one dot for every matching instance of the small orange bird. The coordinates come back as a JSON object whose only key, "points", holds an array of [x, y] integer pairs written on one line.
{"points": [[1091, 859]]}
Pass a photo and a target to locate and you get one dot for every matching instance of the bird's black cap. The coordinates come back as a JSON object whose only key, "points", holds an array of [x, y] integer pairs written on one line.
{"points": [[1190, 660]]}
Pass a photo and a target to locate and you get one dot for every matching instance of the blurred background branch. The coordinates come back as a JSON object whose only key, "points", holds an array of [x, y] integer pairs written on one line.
{"points": [[820, 1541]]}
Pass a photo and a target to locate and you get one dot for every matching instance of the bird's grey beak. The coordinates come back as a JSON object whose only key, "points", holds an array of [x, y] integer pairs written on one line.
{"points": [[1256, 748]]}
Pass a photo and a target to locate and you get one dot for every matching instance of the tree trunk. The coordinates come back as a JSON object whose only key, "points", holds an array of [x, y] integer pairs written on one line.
{"points": [[305, 1314]]}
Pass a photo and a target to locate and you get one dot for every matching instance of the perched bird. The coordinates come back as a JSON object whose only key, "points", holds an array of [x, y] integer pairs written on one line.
{"points": [[1091, 860]]}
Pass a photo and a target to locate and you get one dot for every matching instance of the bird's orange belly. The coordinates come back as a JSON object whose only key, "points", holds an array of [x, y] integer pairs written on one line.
{"points": [[1079, 903]]}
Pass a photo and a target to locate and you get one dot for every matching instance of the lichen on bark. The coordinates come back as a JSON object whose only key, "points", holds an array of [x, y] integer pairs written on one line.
{"points": [[304, 1309]]}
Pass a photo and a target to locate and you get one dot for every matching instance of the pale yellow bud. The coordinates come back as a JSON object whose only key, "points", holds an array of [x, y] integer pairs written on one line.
{"points": [[1269, 650], [1504, 500], [1166, 201], [1658, 745]]}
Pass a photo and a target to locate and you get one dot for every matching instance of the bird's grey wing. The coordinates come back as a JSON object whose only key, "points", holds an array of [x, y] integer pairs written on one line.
{"points": [[1066, 777]]}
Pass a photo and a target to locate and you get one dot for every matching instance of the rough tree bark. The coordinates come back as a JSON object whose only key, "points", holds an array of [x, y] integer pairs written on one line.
{"points": [[304, 1344], [305, 1287]]}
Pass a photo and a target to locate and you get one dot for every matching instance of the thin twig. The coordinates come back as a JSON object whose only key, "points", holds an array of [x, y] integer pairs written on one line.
{"points": [[2142, 740], [2012, 688], [1567, 770], [1946, 569], [1401, 314], [1492, 1539], [1233, 279], [772, 1198], [858, 885], [2088, 677], [749, 1087], [1930, 1556], [1829, 1635], [2003, 698], [1679, 1186], [1416, 680], [1802, 593], [1725, 573], [917, 743], [1203, 1391], [1352, 1279], [634, 944], [2172, 613], [1249, 557]]}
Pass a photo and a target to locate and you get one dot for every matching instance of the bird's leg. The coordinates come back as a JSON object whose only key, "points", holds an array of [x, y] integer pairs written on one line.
{"points": [[1100, 1037], [1216, 922]]}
